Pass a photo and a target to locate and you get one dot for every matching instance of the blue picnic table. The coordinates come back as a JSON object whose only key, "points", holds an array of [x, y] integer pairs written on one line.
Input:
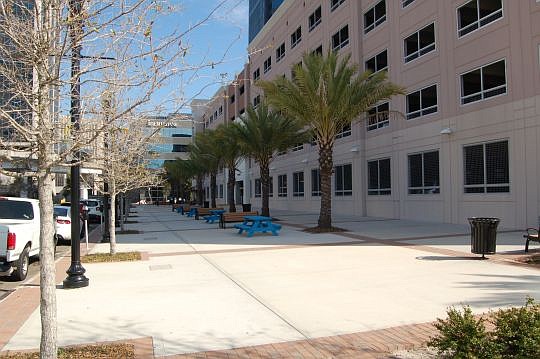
{"points": [[215, 215], [192, 212], [254, 224]]}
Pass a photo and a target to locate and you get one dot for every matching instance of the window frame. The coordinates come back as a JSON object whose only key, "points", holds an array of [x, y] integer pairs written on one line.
{"points": [[316, 21], [345, 131], [334, 4], [298, 184], [425, 189], [482, 91], [376, 22], [316, 182], [257, 74], [378, 124], [256, 101], [380, 191], [422, 111], [344, 191], [282, 185], [405, 3], [258, 188], [478, 21], [485, 185], [421, 51], [267, 65], [296, 37], [342, 43], [280, 52], [374, 58]]}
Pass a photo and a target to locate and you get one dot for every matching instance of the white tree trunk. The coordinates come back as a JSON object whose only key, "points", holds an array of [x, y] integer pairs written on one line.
{"points": [[122, 218], [112, 213], [48, 345]]}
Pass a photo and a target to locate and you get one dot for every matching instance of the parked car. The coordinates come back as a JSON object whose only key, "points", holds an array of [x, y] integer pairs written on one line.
{"points": [[19, 235], [95, 207]]}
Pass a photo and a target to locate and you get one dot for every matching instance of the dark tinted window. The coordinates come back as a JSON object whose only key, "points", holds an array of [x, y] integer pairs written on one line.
{"points": [[16, 210]]}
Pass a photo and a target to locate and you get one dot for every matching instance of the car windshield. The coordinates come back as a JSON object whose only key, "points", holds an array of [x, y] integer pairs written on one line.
{"points": [[92, 203], [61, 211], [16, 210]]}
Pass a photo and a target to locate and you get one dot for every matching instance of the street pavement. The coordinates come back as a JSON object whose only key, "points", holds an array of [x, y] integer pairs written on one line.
{"points": [[202, 288]]}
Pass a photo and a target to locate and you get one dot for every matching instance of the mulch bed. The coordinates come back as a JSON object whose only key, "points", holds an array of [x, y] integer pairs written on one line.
{"points": [[324, 230], [104, 351], [107, 257]]}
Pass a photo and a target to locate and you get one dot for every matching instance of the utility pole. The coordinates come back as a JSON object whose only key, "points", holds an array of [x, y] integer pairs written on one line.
{"points": [[76, 277]]}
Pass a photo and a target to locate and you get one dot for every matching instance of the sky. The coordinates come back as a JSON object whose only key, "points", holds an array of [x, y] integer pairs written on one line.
{"points": [[221, 40]]}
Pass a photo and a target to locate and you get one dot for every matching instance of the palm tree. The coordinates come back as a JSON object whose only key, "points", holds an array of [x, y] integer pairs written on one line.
{"points": [[230, 152], [263, 133], [326, 94], [205, 153]]}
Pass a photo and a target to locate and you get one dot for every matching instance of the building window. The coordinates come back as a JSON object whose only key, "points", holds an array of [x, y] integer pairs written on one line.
{"points": [[422, 102], [242, 111], [487, 168], [211, 118], [242, 89], [420, 43], [484, 82], [257, 188], [378, 62], [405, 3], [256, 100], [296, 37], [298, 184], [297, 147], [280, 52], [233, 98], [316, 182], [315, 19], [233, 118], [267, 64], [375, 16], [257, 74], [344, 132], [343, 180], [317, 51], [334, 4], [341, 38], [215, 114], [282, 186], [377, 117], [220, 110], [424, 173], [379, 180], [59, 180], [220, 191], [478, 13]]}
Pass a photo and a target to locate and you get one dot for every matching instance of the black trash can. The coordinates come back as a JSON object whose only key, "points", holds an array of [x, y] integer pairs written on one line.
{"points": [[483, 235], [246, 207]]}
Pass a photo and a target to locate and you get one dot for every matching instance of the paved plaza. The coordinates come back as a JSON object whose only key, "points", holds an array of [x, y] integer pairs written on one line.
{"points": [[201, 288]]}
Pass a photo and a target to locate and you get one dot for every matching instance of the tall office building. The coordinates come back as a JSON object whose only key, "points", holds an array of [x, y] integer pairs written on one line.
{"points": [[260, 12]]}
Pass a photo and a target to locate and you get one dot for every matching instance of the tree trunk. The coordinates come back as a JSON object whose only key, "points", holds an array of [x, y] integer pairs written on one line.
{"points": [[213, 186], [122, 210], [230, 189], [265, 184], [326, 165], [112, 218], [200, 190], [47, 273]]}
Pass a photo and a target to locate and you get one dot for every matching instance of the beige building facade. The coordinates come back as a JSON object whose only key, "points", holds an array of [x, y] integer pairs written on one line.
{"points": [[464, 139]]}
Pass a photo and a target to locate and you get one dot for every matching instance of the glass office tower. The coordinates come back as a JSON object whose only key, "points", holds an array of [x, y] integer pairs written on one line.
{"points": [[260, 12]]}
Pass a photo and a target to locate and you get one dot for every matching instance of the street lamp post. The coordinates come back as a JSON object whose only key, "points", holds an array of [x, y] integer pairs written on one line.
{"points": [[76, 277]]}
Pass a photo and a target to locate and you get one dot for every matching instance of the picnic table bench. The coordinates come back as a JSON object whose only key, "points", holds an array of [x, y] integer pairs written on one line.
{"points": [[192, 212], [215, 215], [258, 224], [232, 217], [531, 236], [201, 212]]}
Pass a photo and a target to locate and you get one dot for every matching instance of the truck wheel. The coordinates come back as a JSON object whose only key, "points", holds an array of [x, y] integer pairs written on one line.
{"points": [[22, 265]]}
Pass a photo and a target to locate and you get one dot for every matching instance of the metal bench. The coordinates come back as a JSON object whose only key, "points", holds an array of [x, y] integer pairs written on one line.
{"points": [[232, 217], [531, 236]]}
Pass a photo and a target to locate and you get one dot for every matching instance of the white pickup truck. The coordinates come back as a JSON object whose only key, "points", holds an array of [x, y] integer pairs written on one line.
{"points": [[19, 235]]}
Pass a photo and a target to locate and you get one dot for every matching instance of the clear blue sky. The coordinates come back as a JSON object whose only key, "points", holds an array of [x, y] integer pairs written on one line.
{"points": [[221, 40]]}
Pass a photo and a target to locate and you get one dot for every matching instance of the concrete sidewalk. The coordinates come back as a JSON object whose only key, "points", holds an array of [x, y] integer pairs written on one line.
{"points": [[208, 289]]}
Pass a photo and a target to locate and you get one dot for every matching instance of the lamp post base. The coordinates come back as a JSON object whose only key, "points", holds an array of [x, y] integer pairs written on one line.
{"points": [[76, 277]]}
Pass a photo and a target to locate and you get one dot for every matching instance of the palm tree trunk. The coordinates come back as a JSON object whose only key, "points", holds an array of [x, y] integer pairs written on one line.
{"points": [[265, 184], [326, 164], [200, 190], [213, 186], [230, 188]]}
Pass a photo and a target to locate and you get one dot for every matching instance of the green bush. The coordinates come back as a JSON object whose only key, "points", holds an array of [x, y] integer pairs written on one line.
{"points": [[516, 334], [517, 331], [461, 336]]}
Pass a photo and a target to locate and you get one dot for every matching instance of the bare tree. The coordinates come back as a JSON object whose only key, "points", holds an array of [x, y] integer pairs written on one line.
{"points": [[36, 81]]}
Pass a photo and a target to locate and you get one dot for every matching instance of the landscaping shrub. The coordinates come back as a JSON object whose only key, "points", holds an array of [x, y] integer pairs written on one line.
{"points": [[516, 334], [517, 331], [461, 336]]}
